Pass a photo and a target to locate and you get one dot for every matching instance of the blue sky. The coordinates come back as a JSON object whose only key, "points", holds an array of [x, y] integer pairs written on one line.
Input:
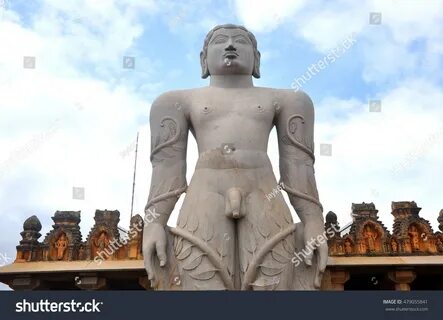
{"points": [[72, 120]]}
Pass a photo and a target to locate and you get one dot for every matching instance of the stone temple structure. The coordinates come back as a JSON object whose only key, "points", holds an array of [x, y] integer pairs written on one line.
{"points": [[363, 255]]}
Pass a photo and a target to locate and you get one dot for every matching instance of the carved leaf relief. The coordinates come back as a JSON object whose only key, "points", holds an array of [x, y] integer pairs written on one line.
{"points": [[185, 252], [205, 275], [194, 263]]}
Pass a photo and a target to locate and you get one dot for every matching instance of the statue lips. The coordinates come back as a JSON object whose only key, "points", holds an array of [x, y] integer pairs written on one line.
{"points": [[230, 55]]}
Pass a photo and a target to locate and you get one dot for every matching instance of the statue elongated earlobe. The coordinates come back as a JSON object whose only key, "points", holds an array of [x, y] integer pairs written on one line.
{"points": [[204, 65], [256, 70]]}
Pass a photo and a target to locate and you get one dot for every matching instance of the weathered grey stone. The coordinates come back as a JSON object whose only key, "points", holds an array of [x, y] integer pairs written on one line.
{"points": [[234, 230]]}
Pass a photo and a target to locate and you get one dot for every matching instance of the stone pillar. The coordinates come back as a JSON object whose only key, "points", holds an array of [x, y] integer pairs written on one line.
{"points": [[338, 279], [26, 283], [402, 279]]}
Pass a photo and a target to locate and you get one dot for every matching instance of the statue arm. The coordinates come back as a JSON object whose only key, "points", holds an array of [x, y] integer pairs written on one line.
{"points": [[169, 135], [295, 129]]}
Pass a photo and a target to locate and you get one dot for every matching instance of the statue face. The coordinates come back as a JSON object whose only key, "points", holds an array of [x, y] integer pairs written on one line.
{"points": [[230, 51]]}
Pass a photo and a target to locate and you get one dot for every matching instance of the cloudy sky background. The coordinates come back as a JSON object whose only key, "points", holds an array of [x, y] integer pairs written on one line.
{"points": [[72, 121]]}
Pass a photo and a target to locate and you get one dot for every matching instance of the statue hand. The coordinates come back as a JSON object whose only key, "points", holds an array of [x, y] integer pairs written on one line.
{"points": [[315, 238], [154, 240]]}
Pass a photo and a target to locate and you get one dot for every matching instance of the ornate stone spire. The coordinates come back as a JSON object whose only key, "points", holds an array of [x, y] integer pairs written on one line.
{"points": [[332, 223], [64, 240], [28, 249], [401, 209], [413, 233], [103, 234], [31, 230], [364, 210]]}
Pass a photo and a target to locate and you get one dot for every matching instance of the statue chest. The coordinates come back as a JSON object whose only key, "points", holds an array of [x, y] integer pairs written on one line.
{"points": [[238, 111]]}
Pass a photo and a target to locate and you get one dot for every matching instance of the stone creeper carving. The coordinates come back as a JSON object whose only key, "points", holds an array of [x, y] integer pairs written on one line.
{"points": [[174, 277]]}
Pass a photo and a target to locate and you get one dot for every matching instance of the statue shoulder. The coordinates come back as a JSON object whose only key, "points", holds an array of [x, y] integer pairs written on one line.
{"points": [[171, 102], [296, 101], [170, 97]]}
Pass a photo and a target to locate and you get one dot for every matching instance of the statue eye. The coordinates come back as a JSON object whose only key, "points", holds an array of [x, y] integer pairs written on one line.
{"points": [[241, 41], [219, 40]]}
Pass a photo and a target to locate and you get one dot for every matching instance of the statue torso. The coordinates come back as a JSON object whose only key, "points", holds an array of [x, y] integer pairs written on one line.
{"points": [[238, 118], [243, 117]]}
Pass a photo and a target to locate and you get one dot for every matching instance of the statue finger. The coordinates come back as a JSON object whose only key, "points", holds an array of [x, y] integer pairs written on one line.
{"points": [[148, 263], [318, 278], [160, 246], [308, 256], [322, 257]]}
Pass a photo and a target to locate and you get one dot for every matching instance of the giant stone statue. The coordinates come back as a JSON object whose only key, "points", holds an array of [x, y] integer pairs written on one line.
{"points": [[230, 234]]}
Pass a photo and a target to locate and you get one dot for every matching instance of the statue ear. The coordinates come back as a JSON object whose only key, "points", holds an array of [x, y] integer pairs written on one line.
{"points": [[256, 70], [204, 65]]}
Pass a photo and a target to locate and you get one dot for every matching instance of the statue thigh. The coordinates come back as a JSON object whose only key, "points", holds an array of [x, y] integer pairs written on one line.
{"points": [[212, 249], [204, 242], [266, 241]]}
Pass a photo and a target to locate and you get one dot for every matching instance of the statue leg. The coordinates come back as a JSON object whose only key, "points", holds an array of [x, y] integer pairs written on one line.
{"points": [[204, 241], [267, 243], [212, 251]]}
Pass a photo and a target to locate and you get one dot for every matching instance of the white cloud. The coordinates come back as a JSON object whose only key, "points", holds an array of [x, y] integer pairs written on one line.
{"points": [[367, 147], [387, 49], [371, 152], [266, 16], [65, 123]]}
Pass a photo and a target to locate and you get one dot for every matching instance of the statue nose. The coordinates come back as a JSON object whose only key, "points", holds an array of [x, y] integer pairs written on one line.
{"points": [[230, 47]]}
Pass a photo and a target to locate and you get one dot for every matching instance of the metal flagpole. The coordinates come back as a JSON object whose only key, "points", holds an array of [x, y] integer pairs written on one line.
{"points": [[133, 180]]}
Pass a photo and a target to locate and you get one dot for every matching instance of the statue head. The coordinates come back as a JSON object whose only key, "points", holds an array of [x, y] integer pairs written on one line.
{"points": [[230, 49]]}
